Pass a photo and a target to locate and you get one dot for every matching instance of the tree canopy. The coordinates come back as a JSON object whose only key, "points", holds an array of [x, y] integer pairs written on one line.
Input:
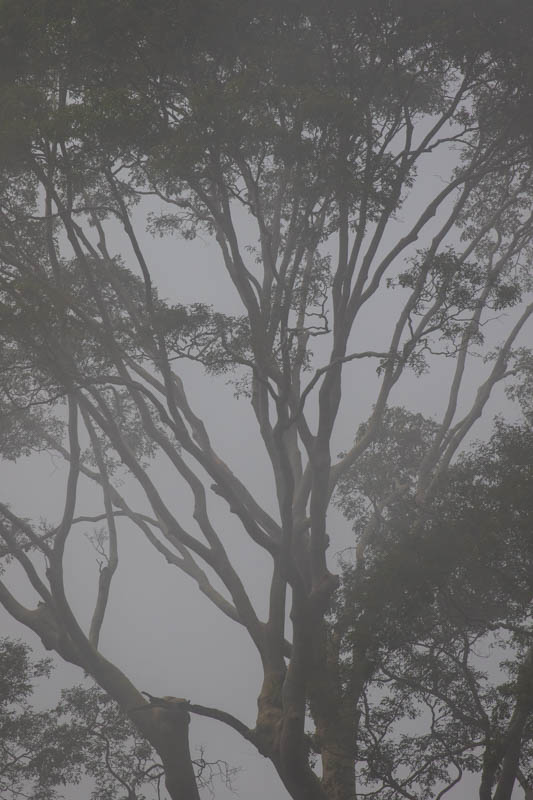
{"points": [[365, 174]]}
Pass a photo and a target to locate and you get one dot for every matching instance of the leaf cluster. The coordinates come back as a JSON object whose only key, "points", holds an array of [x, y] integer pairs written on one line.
{"points": [[433, 592]]}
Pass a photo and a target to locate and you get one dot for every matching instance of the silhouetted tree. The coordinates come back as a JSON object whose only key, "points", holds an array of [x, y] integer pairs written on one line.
{"points": [[324, 125]]}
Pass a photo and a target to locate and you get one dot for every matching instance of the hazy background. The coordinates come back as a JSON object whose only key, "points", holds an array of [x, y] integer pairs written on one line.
{"points": [[160, 629]]}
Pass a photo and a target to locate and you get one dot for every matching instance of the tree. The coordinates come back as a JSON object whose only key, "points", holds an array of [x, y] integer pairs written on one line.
{"points": [[211, 116], [21, 729], [84, 736], [428, 597]]}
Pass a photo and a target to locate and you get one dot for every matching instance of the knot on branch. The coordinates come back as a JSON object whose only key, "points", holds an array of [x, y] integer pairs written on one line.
{"points": [[168, 713], [267, 731], [53, 635], [321, 594], [168, 702]]}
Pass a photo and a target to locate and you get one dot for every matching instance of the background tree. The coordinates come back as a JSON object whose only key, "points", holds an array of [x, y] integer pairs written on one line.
{"points": [[85, 736], [22, 737], [437, 606], [318, 124]]}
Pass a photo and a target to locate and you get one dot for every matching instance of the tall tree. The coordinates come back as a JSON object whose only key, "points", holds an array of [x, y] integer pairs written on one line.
{"points": [[319, 123]]}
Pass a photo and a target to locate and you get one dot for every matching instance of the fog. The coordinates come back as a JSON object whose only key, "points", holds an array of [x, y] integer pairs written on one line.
{"points": [[166, 636]]}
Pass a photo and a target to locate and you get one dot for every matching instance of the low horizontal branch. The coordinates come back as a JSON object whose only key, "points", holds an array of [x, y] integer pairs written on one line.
{"points": [[180, 704]]}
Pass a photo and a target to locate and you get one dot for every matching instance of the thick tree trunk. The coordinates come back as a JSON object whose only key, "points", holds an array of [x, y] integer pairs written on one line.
{"points": [[511, 758], [512, 743], [295, 772], [334, 710], [277, 736], [338, 769], [166, 724], [179, 773]]}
